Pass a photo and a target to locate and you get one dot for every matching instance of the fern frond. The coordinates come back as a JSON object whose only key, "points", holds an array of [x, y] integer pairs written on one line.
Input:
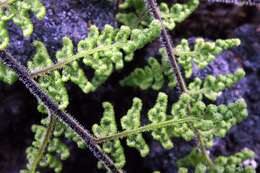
{"points": [[214, 121], [54, 109], [18, 12], [72, 71], [51, 83], [177, 13], [108, 127], [157, 114], [171, 14], [119, 41], [212, 86], [223, 164], [153, 75], [6, 74], [46, 151], [203, 52], [131, 121], [101, 52], [210, 120]]}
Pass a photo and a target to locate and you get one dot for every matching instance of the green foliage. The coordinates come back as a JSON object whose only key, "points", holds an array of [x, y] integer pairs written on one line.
{"points": [[51, 83], [101, 52], [177, 13], [133, 18], [222, 164], [107, 51], [158, 114], [132, 121], [108, 127], [212, 86], [18, 12], [213, 121], [209, 120], [72, 71], [171, 14], [152, 75], [55, 152], [203, 52], [7, 75], [55, 87]]}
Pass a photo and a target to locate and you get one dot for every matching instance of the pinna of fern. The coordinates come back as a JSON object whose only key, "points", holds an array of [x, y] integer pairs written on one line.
{"points": [[210, 120], [163, 126], [203, 52], [223, 164], [171, 14], [153, 75], [101, 52], [52, 77], [18, 12]]}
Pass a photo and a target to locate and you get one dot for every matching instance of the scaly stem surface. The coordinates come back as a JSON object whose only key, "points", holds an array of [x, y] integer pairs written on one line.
{"points": [[33, 87]]}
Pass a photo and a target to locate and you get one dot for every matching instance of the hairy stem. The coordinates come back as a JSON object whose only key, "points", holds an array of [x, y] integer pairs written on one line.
{"points": [[166, 41], [62, 63], [145, 128], [66, 118], [45, 142]]}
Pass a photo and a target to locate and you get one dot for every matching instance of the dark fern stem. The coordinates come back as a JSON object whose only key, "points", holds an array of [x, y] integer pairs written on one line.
{"points": [[33, 87], [166, 42]]}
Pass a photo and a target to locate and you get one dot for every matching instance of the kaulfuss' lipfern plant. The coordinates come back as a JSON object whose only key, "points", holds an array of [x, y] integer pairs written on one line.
{"points": [[108, 50]]}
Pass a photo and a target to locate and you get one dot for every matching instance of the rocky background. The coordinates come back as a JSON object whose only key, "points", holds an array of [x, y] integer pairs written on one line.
{"points": [[72, 18]]}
